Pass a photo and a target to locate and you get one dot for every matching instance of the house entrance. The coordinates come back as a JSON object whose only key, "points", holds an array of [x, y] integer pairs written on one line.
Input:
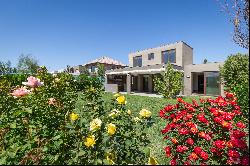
{"points": [[201, 83], [145, 83]]}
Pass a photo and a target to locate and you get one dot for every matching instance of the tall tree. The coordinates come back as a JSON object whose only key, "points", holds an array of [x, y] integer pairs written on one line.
{"points": [[169, 83], [238, 12], [27, 64], [205, 61], [5, 67]]}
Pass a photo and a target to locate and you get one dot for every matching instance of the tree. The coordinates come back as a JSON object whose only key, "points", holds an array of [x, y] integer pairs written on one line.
{"points": [[27, 64], [169, 83], [238, 12], [85, 71], [5, 67], [205, 61], [100, 70], [235, 75]]}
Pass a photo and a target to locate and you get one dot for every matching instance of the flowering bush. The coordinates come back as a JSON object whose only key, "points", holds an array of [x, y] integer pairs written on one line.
{"points": [[205, 132], [39, 124]]}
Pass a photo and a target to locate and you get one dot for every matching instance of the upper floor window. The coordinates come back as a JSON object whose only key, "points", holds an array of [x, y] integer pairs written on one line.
{"points": [[150, 56], [169, 56], [137, 61]]}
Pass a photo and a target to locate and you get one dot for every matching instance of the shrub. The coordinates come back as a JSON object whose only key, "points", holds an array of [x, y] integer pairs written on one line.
{"points": [[205, 132], [235, 73], [39, 124], [170, 83]]}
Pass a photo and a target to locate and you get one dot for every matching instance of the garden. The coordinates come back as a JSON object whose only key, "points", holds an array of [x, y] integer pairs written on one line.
{"points": [[63, 119]]}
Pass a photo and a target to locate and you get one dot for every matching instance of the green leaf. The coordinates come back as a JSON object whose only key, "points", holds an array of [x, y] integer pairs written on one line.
{"points": [[13, 125], [57, 137]]}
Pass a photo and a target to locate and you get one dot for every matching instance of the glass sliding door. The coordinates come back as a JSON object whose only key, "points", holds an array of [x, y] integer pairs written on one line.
{"points": [[212, 83]]}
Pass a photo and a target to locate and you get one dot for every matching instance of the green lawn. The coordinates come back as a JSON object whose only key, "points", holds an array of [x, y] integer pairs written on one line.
{"points": [[153, 104]]}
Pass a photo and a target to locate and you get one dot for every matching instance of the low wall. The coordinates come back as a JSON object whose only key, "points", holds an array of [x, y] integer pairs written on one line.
{"points": [[111, 87]]}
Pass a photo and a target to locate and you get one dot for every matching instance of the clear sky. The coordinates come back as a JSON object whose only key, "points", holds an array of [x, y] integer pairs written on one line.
{"points": [[73, 32]]}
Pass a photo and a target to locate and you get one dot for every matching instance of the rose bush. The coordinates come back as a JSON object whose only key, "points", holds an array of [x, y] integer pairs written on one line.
{"points": [[205, 132], [40, 124]]}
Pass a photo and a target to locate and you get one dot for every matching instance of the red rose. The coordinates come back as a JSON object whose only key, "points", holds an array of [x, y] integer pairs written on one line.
{"points": [[244, 160], [229, 95], [237, 112], [204, 155], [238, 134], [187, 163], [213, 150], [219, 144], [183, 131], [190, 141], [181, 148], [173, 162], [233, 153], [237, 107], [238, 143], [202, 100], [169, 108], [197, 150], [195, 104], [240, 125], [189, 116], [168, 151], [220, 101], [207, 137], [180, 100], [218, 119], [214, 111]]}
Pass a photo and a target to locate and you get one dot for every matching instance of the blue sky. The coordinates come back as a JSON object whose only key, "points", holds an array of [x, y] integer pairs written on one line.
{"points": [[72, 32]]}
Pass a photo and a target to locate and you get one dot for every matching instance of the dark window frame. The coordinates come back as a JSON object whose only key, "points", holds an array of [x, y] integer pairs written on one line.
{"points": [[151, 56], [136, 61], [168, 53]]}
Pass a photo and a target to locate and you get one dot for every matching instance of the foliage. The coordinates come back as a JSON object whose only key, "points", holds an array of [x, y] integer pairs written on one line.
{"points": [[39, 124], [238, 12], [101, 71], [205, 61], [170, 83], [205, 132], [235, 73], [10, 80], [5, 68], [27, 64]]}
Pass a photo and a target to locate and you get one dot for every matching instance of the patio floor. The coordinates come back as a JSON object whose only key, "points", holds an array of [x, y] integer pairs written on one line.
{"points": [[143, 94]]}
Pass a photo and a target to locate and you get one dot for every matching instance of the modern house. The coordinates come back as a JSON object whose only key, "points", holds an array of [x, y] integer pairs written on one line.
{"points": [[146, 64], [92, 66]]}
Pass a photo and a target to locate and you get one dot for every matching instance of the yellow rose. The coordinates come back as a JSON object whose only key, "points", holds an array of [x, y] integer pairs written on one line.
{"points": [[114, 113], [152, 161], [74, 116], [90, 141], [117, 95], [95, 124], [121, 100], [145, 113], [110, 157], [136, 119], [129, 112], [111, 129]]}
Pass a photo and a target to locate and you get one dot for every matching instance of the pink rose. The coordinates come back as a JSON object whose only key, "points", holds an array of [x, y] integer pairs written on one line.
{"points": [[20, 92], [33, 82]]}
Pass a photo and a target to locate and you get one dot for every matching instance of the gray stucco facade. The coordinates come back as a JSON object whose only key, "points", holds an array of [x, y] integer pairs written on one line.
{"points": [[200, 79]]}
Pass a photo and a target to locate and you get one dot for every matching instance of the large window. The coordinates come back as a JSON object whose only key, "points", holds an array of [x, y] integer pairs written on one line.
{"points": [[137, 61], [150, 56], [169, 56]]}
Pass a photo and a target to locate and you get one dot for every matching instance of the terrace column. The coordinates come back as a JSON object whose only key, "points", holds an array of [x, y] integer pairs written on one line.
{"points": [[128, 83], [139, 83], [150, 83], [106, 79]]}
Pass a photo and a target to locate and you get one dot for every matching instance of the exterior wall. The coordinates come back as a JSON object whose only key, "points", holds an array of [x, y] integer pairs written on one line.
{"points": [[188, 69], [184, 54], [107, 67]]}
